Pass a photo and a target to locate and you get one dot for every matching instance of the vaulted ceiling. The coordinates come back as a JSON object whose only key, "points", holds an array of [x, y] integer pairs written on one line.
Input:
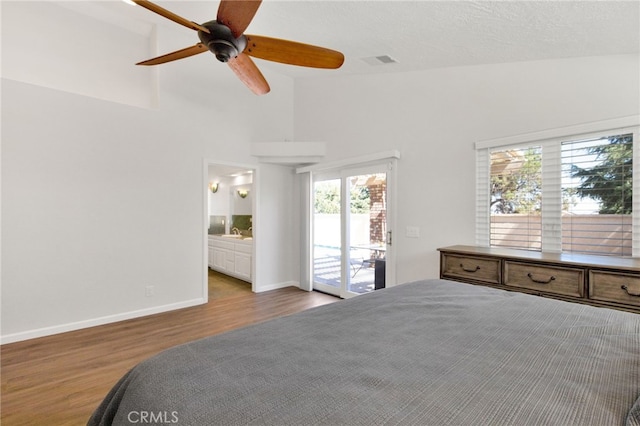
{"points": [[416, 35]]}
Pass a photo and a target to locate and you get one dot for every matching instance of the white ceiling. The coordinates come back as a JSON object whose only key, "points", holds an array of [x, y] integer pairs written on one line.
{"points": [[418, 34]]}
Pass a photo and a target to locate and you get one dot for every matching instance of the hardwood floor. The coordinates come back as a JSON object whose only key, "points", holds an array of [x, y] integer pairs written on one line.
{"points": [[60, 379]]}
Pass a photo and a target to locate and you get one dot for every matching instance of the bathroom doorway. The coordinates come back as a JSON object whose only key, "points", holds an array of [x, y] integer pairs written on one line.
{"points": [[229, 211]]}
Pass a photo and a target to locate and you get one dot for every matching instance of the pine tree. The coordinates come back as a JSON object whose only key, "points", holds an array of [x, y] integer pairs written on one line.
{"points": [[610, 181]]}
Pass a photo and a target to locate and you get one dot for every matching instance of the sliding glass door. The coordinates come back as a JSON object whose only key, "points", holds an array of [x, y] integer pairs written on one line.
{"points": [[350, 232]]}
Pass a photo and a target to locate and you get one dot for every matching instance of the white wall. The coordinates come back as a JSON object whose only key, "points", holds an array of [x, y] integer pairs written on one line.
{"points": [[220, 202], [77, 51], [276, 197], [101, 199], [435, 117], [242, 206]]}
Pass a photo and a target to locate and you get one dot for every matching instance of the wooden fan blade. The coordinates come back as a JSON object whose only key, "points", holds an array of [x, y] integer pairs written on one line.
{"points": [[237, 14], [291, 52], [179, 54], [170, 15], [249, 74]]}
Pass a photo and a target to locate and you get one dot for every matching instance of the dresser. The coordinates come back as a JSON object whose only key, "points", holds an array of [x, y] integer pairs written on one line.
{"points": [[596, 280]]}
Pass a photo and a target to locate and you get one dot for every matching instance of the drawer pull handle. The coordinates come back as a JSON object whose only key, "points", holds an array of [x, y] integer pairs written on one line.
{"points": [[540, 280], [630, 293], [469, 269]]}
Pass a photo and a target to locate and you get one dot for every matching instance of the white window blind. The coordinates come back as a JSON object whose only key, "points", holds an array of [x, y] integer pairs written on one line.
{"points": [[482, 197], [571, 193], [551, 197]]}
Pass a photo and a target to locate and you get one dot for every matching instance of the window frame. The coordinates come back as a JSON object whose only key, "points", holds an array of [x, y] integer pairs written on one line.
{"points": [[551, 143]]}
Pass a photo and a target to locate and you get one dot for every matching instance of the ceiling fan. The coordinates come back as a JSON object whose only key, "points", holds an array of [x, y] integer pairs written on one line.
{"points": [[224, 38]]}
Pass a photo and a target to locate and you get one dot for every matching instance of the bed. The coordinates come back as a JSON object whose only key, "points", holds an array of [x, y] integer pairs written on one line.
{"points": [[432, 352]]}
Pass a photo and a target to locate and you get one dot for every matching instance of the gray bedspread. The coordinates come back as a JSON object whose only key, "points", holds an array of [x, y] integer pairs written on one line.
{"points": [[433, 352]]}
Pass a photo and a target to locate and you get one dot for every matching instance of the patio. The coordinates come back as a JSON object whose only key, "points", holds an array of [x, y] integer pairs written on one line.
{"points": [[327, 270]]}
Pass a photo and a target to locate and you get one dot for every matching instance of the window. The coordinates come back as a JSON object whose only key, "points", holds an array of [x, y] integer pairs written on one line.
{"points": [[597, 192], [515, 184], [569, 194]]}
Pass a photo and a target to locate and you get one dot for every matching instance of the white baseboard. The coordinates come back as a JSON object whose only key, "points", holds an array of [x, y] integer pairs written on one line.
{"points": [[63, 328], [277, 286]]}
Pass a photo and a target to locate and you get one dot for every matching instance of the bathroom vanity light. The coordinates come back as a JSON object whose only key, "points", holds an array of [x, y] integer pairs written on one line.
{"points": [[213, 187], [243, 193]]}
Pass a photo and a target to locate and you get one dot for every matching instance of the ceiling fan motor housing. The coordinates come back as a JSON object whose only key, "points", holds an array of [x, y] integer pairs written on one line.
{"points": [[221, 42]]}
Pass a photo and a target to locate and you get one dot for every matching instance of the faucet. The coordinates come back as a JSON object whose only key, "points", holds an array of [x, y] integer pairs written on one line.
{"points": [[235, 231]]}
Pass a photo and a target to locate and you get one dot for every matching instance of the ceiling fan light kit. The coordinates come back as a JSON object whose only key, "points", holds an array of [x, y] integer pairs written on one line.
{"points": [[225, 38]]}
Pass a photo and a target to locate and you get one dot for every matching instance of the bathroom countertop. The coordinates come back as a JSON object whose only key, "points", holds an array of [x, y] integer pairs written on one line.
{"points": [[232, 237]]}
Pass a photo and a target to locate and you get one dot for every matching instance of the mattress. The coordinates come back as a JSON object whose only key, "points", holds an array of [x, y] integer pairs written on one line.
{"points": [[432, 352]]}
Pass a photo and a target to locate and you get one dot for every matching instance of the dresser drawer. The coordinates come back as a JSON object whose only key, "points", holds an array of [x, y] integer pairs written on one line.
{"points": [[616, 287], [548, 279], [472, 268]]}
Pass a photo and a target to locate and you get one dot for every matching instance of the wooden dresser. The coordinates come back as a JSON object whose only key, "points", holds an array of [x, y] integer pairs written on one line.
{"points": [[596, 280]]}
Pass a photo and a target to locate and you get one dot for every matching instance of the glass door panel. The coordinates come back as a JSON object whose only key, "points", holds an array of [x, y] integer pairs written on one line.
{"points": [[367, 223], [327, 236]]}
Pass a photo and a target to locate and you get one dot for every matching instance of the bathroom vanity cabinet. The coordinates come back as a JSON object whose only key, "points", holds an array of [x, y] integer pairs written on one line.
{"points": [[231, 256]]}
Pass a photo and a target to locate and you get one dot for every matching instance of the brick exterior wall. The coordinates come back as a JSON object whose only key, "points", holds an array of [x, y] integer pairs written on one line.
{"points": [[377, 212]]}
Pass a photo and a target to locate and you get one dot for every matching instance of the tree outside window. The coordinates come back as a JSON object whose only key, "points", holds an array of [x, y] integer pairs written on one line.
{"points": [[609, 180]]}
